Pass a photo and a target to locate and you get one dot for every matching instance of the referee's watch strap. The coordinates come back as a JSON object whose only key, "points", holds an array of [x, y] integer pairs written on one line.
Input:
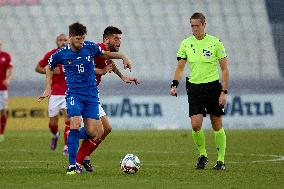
{"points": [[224, 91], [174, 83]]}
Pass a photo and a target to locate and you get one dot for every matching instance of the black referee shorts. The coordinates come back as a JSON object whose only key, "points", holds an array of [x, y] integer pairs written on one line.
{"points": [[204, 98]]}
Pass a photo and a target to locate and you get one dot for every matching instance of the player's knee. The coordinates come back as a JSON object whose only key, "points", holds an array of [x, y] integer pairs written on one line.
{"points": [[217, 127], [195, 128], [196, 125], [100, 132], [53, 120], [107, 130]]}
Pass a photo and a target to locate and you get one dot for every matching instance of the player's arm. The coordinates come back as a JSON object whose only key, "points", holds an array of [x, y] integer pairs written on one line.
{"points": [[103, 71], [9, 76], [52, 63], [225, 79], [124, 78], [39, 69], [116, 55], [177, 76], [181, 58], [48, 77], [9, 71]]}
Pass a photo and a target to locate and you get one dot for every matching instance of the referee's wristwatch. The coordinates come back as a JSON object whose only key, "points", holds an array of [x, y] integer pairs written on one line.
{"points": [[224, 91]]}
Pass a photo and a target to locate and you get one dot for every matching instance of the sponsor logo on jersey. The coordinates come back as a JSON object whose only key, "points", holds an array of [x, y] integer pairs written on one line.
{"points": [[207, 53]]}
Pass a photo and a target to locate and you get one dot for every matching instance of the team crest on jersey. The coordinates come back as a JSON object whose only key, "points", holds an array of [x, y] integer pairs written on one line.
{"points": [[207, 53], [69, 62]]}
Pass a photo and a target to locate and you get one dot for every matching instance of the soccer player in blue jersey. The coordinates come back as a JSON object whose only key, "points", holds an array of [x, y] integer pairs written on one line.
{"points": [[82, 95]]}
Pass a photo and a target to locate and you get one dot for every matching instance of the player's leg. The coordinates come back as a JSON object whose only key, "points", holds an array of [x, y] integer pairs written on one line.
{"points": [[216, 111], [66, 132], [74, 110], [93, 128], [196, 110], [3, 121], [60, 104], [199, 140], [54, 106], [220, 141], [73, 143], [3, 113], [53, 127], [88, 146], [91, 116], [95, 131]]}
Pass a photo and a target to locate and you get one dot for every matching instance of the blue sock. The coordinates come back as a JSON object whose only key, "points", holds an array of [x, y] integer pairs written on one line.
{"points": [[73, 144], [83, 133]]}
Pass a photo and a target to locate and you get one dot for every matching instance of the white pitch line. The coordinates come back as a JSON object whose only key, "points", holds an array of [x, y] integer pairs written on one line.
{"points": [[281, 158], [275, 158], [26, 161]]}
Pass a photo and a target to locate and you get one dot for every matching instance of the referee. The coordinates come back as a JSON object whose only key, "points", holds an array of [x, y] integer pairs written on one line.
{"points": [[206, 95]]}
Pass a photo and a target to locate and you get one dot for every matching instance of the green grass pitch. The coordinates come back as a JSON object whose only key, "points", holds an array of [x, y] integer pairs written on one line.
{"points": [[255, 159]]}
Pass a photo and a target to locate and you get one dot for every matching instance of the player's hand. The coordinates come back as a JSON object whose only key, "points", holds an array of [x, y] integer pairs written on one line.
{"points": [[222, 99], [56, 71], [46, 93], [130, 80], [6, 82], [127, 63], [173, 91]]}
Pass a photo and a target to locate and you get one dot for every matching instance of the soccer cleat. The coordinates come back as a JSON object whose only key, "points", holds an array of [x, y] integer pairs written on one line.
{"points": [[219, 166], [79, 169], [88, 166], [71, 170], [74, 169], [65, 150], [201, 162], [53, 142]]}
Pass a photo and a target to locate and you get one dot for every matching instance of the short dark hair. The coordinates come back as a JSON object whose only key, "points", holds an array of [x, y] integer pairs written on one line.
{"points": [[199, 16], [110, 30], [77, 29]]}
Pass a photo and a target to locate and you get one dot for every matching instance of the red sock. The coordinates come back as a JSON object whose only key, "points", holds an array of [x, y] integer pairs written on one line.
{"points": [[67, 122], [66, 132], [53, 129], [87, 147], [97, 142], [3, 124]]}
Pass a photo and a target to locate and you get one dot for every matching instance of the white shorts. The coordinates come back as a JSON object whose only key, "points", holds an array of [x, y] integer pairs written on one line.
{"points": [[101, 111], [55, 104], [3, 100]]}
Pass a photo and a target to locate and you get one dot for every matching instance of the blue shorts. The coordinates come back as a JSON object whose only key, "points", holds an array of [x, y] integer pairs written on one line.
{"points": [[85, 106]]}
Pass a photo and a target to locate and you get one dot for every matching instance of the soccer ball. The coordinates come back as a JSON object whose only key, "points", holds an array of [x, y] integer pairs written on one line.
{"points": [[130, 164]]}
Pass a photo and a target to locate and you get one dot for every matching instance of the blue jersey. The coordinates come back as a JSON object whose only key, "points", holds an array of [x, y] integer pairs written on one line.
{"points": [[78, 67]]}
